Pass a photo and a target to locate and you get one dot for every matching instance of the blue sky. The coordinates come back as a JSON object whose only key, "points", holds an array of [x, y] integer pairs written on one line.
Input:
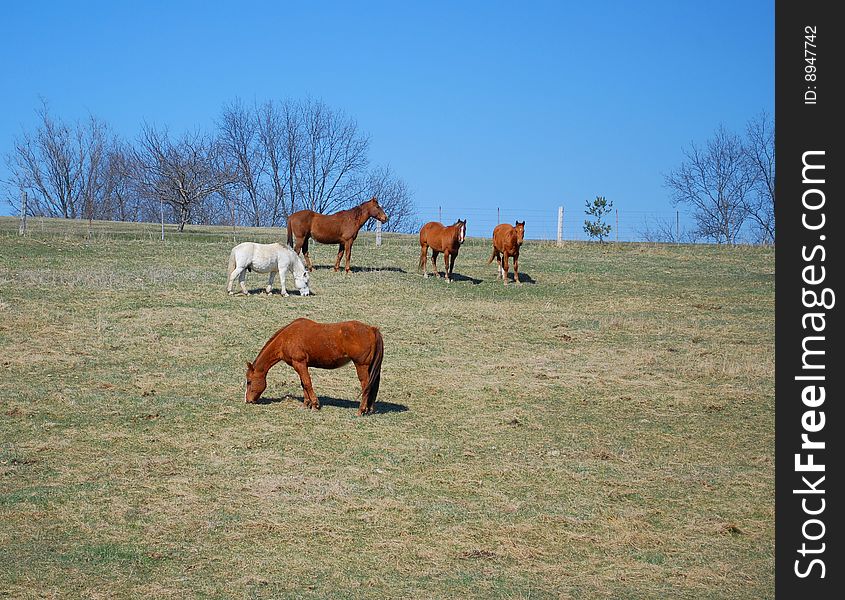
{"points": [[524, 106]]}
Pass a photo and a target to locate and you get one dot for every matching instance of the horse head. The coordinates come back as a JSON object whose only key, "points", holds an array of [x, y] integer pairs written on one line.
{"points": [[462, 230], [520, 232], [301, 282], [255, 384], [374, 209]]}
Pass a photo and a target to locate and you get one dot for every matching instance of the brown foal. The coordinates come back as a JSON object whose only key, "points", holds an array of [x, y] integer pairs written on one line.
{"points": [[443, 239], [507, 240]]}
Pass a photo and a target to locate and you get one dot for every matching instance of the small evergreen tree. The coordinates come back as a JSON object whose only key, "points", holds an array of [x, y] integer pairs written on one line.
{"points": [[598, 208]]}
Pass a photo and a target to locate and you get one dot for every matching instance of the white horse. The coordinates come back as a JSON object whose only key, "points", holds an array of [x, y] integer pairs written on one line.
{"points": [[267, 258]]}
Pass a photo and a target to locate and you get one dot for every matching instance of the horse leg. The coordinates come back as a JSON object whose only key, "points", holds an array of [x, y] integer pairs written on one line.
{"points": [[446, 272], [498, 264], [305, 252], [348, 255], [363, 376], [242, 280], [434, 254], [424, 259], [270, 283], [236, 273], [451, 265], [516, 270], [339, 255], [310, 399], [505, 267]]}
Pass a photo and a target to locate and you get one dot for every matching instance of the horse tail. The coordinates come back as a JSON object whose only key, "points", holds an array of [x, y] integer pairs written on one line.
{"points": [[374, 375], [232, 264], [290, 234], [492, 256]]}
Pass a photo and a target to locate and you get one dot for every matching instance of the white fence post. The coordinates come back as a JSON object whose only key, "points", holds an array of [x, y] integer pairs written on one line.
{"points": [[559, 225], [378, 233], [22, 226]]}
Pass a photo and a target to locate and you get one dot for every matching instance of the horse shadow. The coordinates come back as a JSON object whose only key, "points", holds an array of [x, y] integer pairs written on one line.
{"points": [[276, 292], [381, 407], [526, 278], [459, 277], [360, 269]]}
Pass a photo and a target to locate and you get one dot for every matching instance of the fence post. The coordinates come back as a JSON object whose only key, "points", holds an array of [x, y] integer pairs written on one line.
{"points": [[617, 224], [677, 227], [559, 225], [22, 226], [378, 233], [161, 200], [440, 213], [498, 216]]}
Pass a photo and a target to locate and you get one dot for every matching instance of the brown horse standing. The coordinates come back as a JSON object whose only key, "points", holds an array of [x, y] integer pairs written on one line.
{"points": [[304, 343], [339, 228], [507, 240], [443, 239]]}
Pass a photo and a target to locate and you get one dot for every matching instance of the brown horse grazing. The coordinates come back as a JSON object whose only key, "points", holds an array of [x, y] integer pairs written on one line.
{"points": [[507, 240], [303, 343], [443, 239], [339, 228]]}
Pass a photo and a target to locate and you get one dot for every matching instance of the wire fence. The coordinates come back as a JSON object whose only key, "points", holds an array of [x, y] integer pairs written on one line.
{"points": [[542, 224]]}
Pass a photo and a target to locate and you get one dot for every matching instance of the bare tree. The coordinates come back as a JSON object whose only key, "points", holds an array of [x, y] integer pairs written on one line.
{"points": [[393, 196], [665, 230], [279, 132], [184, 174], [332, 153], [760, 153], [240, 141], [120, 197], [715, 182], [60, 165]]}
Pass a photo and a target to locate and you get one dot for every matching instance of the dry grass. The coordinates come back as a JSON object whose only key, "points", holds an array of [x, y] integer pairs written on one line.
{"points": [[605, 430]]}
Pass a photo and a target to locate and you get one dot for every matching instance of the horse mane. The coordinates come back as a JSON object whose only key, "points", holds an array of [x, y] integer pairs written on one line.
{"points": [[297, 262], [357, 211], [272, 338]]}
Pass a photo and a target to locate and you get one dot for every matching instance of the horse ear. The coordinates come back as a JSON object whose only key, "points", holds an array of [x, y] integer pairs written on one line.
{"points": [[250, 366]]}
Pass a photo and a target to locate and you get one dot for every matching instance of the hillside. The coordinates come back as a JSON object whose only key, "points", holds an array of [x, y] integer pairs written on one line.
{"points": [[604, 429]]}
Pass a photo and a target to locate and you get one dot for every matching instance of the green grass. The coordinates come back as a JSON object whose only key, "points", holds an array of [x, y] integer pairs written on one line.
{"points": [[603, 430]]}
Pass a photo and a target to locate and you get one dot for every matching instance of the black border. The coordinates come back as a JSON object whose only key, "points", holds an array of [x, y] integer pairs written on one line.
{"points": [[802, 127]]}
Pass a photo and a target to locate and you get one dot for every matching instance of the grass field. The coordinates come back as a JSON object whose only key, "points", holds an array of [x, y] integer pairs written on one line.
{"points": [[605, 430]]}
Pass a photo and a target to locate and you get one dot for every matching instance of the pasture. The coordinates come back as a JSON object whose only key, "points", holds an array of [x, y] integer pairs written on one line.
{"points": [[605, 429]]}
